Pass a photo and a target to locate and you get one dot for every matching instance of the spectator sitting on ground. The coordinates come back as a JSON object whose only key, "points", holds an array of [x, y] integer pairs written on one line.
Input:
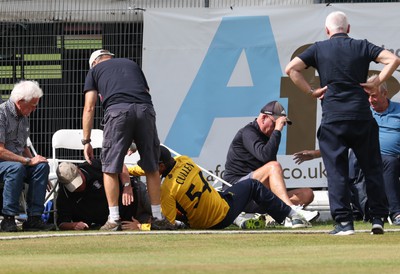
{"points": [[253, 154], [185, 189], [82, 203]]}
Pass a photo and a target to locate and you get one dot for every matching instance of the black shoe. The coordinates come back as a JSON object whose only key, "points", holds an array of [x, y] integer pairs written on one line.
{"points": [[377, 226], [35, 223], [8, 224], [163, 224]]}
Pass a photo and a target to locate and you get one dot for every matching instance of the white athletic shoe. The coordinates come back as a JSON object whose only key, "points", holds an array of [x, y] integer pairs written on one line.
{"points": [[309, 215], [299, 221]]}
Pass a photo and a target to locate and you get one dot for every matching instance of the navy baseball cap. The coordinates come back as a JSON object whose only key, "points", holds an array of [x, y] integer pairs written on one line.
{"points": [[276, 110], [165, 155]]}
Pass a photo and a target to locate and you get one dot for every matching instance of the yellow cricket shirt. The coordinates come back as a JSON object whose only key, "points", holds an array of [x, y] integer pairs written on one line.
{"points": [[186, 189]]}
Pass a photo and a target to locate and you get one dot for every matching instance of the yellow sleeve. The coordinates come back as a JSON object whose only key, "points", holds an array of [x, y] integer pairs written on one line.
{"points": [[168, 206], [136, 171]]}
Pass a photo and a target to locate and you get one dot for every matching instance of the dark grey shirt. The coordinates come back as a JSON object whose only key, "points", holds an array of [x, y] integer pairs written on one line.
{"points": [[14, 129], [250, 149]]}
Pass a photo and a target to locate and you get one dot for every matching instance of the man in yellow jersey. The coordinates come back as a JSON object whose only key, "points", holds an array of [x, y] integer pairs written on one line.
{"points": [[184, 189]]}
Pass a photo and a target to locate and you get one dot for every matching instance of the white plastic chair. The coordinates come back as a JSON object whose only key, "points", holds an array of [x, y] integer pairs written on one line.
{"points": [[132, 159], [68, 139]]}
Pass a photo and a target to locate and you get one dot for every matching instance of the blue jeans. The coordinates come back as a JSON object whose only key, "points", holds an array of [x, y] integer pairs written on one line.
{"points": [[14, 175]]}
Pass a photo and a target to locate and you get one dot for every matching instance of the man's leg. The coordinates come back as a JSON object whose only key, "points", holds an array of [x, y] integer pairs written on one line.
{"points": [[37, 178], [271, 176], [240, 194], [367, 151], [391, 167], [301, 196], [154, 189], [117, 137], [111, 187], [12, 174], [335, 157]]}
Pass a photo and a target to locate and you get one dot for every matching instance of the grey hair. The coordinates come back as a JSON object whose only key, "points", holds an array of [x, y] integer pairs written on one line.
{"points": [[337, 22], [382, 87], [26, 90]]}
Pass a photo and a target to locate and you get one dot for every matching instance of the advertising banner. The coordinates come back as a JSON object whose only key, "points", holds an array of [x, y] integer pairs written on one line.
{"points": [[210, 71]]}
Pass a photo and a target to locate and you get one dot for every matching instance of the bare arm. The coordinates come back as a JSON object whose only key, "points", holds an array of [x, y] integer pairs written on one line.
{"points": [[293, 70], [127, 192], [391, 63], [7, 155], [306, 155], [87, 122], [88, 112]]}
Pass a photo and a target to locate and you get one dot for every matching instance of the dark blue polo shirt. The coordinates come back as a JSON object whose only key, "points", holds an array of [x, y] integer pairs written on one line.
{"points": [[118, 80], [342, 64]]}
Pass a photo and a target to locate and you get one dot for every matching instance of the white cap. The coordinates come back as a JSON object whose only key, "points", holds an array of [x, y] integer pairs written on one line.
{"points": [[69, 175], [98, 53]]}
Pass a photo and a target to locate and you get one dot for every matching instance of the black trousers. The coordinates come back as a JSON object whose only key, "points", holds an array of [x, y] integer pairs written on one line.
{"points": [[335, 140]]}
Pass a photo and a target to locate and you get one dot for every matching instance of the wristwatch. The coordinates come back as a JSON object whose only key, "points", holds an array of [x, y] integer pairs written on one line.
{"points": [[127, 184], [27, 161], [86, 141]]}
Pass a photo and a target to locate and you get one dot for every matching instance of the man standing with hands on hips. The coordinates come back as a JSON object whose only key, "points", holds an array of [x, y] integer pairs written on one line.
{"points": [[347, 123], [129, 115]]}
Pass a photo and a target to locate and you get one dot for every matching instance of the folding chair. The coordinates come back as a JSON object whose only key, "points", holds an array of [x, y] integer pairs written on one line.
{"points": [[68, 139], [132, 159]]}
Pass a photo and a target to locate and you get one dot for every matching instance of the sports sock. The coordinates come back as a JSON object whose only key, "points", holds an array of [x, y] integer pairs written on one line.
{"points": [[114, 213], [156, 211]]}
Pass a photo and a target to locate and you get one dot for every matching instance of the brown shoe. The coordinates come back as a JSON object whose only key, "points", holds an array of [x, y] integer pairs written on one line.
{"points": [[111, 226]]}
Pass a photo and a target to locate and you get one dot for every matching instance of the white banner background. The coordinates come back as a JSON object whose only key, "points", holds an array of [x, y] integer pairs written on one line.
{"points": [[175, 48]]}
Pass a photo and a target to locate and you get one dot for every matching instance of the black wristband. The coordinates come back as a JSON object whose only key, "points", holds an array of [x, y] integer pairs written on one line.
{"points": [[86, 141]]}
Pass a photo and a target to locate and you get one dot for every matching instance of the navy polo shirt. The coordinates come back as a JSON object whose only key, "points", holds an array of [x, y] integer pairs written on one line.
{"points": [[118, 80], [342, 64]]}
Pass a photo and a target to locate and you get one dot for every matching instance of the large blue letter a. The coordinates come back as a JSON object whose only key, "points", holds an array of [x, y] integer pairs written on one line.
{"points": [[211, 97]]}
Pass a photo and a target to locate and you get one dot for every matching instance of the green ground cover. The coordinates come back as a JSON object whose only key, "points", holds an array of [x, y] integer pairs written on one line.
{"points": [[263, 251]]}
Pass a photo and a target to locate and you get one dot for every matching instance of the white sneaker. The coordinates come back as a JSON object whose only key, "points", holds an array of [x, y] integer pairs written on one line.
{"points": [[287, 222], [300, 222], [309, 215], [270, 222]]}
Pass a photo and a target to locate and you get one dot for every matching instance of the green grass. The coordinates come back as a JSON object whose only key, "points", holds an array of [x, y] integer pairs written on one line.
{"points": [[316, 252]]}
